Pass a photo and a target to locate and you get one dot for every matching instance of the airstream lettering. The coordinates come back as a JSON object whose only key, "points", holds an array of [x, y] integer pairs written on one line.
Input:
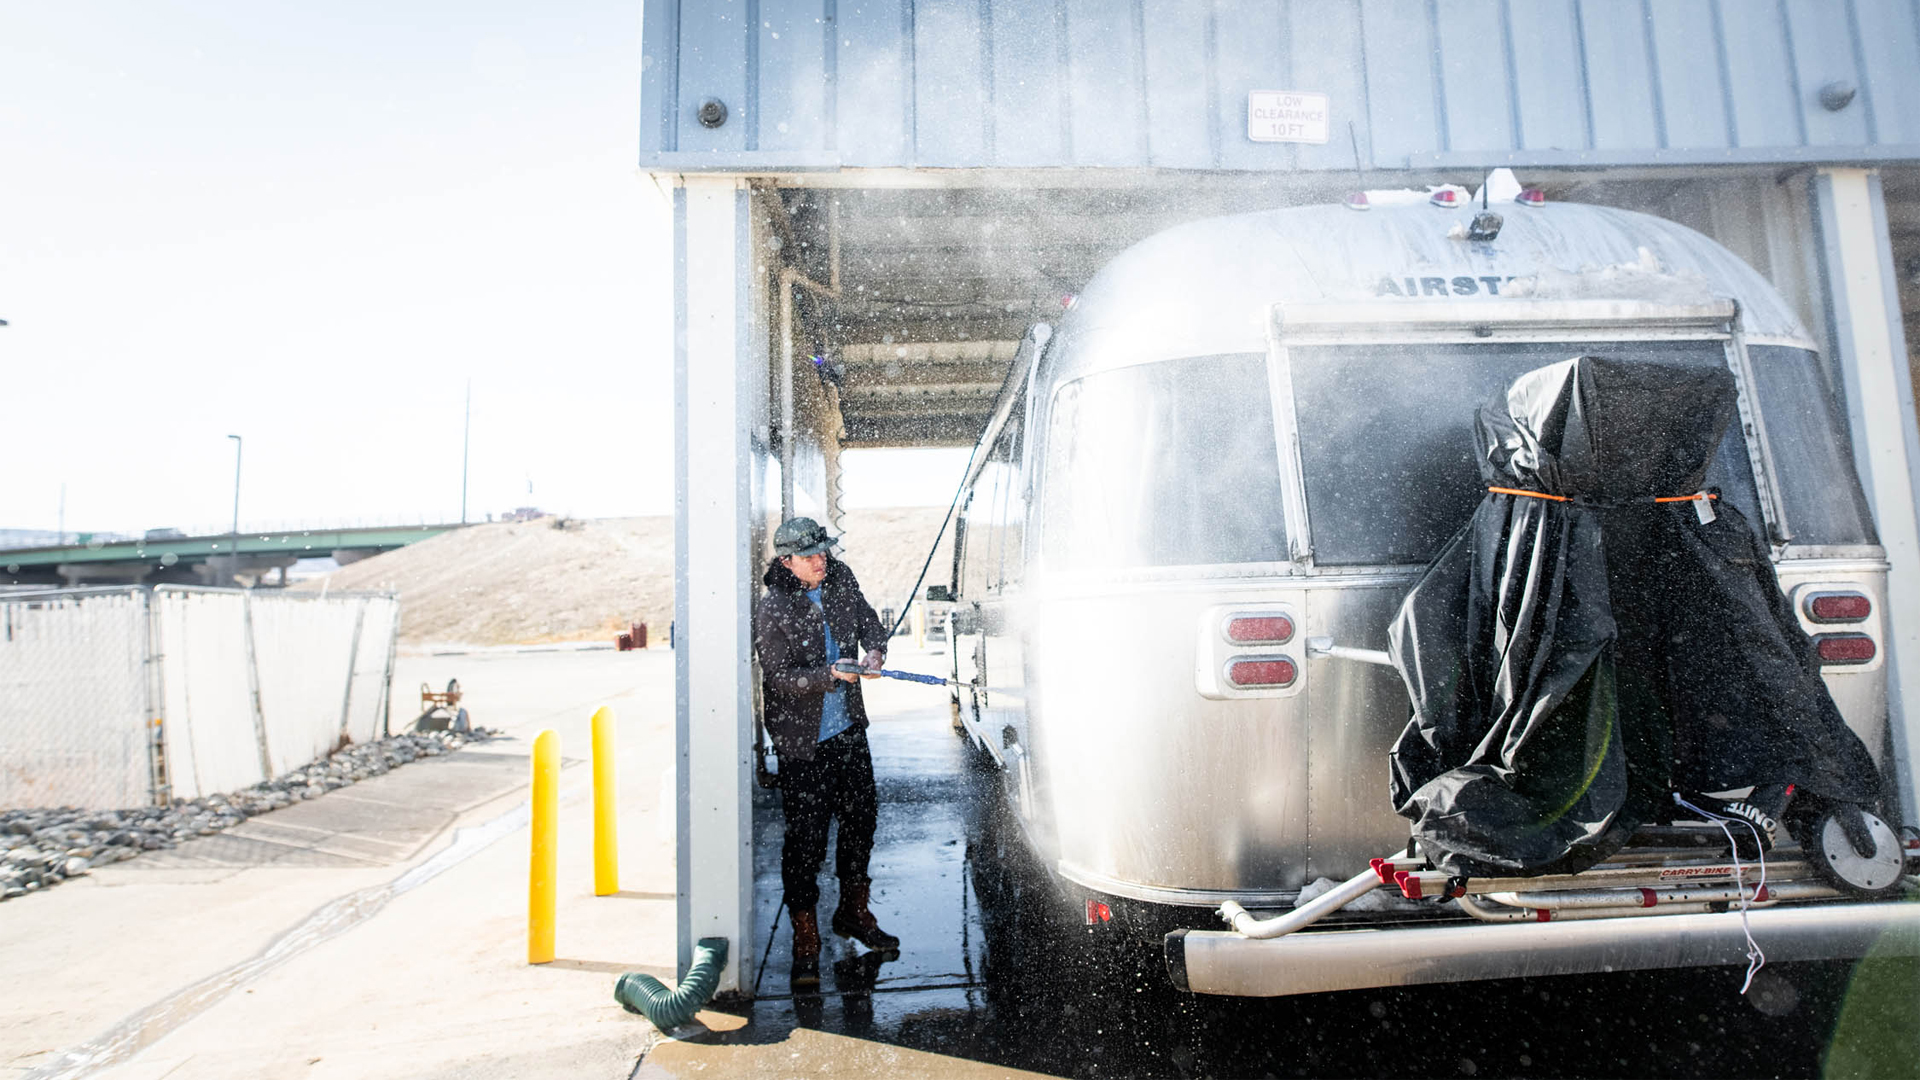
{"points": [[1487, 285], [1201, 499]]}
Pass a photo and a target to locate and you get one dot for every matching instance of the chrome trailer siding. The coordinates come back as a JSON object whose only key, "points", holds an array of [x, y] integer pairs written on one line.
{"points": [[1355, 714], [1145, 788], [1859, 690], [1151, 790], [1134, 779]]}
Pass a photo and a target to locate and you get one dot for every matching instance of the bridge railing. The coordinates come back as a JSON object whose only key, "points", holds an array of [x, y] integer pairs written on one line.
{"points": [[336, 524], [25, 539], [113, 698]]}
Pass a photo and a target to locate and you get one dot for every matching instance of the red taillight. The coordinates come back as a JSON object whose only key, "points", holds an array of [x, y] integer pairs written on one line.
{"points": [[1845, 648], [1259, 629], [1447, 198], [1533, 197], [1098, 912], [1838, 607], [1263, 671]]}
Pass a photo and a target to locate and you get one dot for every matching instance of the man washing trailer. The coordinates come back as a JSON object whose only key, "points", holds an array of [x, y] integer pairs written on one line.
{"points": [[812, 616]]}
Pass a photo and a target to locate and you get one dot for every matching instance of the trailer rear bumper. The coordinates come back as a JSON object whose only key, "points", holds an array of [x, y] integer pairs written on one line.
{"points": [[1225, 963]]}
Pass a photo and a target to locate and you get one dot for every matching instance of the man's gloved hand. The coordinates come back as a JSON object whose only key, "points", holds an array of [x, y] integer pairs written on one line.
{"points": [[873, 661]]}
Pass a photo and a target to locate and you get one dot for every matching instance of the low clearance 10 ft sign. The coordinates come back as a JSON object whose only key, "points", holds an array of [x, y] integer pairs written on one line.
{"points": [[1287, 116]]}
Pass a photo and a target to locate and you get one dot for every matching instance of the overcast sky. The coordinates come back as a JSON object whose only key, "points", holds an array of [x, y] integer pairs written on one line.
{"points": [[310, 225]]}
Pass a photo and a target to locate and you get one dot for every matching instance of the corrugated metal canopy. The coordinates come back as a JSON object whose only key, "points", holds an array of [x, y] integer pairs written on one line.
{"points": [[939, 392], [936, 286], [1421, 84]]}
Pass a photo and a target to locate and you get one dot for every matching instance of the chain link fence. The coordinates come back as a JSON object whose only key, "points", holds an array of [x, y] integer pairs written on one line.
{"points": [[124, 697], [73, 700]]}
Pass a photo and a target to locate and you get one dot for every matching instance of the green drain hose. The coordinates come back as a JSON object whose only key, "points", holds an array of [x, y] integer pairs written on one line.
{"points": [[649, 997]]}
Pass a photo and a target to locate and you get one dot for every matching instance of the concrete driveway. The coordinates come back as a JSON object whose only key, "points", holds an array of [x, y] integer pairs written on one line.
{"points": [[379, 930]]}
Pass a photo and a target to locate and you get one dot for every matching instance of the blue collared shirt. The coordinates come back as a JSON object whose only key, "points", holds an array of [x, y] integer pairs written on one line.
{"points": [[834, 718]]}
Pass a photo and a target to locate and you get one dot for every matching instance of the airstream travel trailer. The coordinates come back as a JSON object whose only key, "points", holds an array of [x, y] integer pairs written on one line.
{"points": [[1202, 498]]}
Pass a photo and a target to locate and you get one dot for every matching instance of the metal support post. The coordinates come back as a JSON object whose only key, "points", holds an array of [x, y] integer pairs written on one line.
{"points": [[790, 281], [155, 694], [253, 685], [717, 359], [1869, 348], [386, 677], [353, 661]]}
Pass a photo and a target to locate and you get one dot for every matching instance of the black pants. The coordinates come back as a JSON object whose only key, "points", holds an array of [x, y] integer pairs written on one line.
{"points": [[838, 782]]}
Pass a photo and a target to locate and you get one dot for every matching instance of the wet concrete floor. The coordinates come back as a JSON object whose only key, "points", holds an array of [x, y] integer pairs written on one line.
{"points": [[998, 968]]}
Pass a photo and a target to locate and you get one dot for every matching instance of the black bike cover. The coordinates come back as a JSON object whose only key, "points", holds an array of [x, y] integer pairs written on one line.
{"points": [[1573, 662]]}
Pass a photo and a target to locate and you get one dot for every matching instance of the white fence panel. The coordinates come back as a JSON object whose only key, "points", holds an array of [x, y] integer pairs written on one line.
{"points": [[305, 652], [73, 723], [212, 743], [87, 676], [366, 705]]}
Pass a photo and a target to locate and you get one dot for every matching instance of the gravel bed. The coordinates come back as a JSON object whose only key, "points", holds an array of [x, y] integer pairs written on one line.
{"points": [[45, 846]]}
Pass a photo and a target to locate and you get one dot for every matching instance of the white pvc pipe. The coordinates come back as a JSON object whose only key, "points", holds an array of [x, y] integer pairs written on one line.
{"points": [[1322, 646], [1307, 914]]}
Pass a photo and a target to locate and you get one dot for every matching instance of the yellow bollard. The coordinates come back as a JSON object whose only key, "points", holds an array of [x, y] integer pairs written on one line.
{"points": [[606, 844], [541, 869]]}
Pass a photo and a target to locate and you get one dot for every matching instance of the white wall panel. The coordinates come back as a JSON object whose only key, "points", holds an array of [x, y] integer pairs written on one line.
{"points": [[211, 745], [366, 706], [304, 649]]}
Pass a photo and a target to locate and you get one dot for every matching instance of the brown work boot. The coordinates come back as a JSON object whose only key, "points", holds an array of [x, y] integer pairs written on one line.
{"points": [[852, 919], [806, 948]]}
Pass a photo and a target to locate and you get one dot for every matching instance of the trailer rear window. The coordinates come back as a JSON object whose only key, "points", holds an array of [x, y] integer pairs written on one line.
{"points": [[1165, 464], [1811, 450], [1386, 438]]}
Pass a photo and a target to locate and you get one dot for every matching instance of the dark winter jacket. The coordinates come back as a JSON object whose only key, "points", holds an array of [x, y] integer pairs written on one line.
{"points": [[789, 635]]}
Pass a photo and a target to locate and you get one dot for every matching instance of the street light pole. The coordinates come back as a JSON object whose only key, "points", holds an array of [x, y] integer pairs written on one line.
{"points": [[466, 440], [237, 445]]}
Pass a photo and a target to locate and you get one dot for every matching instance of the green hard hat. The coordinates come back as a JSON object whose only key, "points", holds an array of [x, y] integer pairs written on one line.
{"points": [[801, 536]]}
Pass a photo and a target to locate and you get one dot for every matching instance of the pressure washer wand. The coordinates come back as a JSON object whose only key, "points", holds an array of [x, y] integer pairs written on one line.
{"points": [[852, 667]]}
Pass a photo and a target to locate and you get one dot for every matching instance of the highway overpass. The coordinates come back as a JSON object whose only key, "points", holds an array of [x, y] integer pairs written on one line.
{"points": [[201, 560]]}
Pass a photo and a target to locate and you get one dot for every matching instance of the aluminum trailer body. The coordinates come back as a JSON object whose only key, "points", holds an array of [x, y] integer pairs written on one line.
{"points": [[1249, 434]]}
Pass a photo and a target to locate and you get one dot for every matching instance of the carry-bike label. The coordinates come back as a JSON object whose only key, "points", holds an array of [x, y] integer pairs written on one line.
{"points": [[1682, 873]]}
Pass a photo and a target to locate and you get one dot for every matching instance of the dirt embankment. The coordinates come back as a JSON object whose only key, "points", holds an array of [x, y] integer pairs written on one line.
{"points": [[516, 583]]}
